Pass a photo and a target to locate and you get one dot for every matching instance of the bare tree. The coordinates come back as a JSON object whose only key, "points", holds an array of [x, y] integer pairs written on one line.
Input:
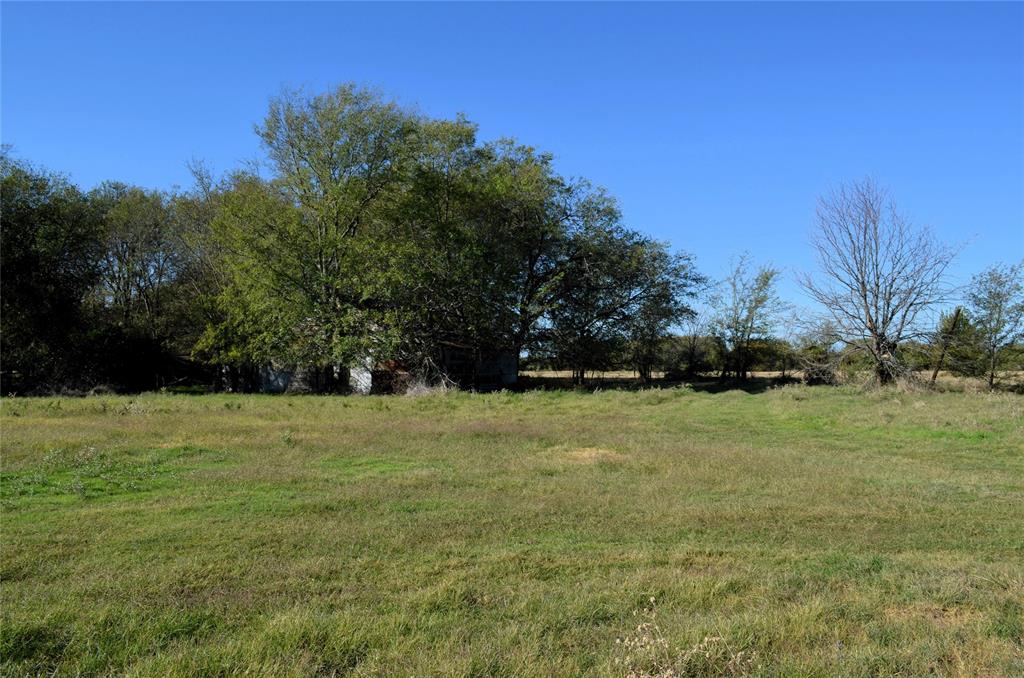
{"points": [[879, 273]]}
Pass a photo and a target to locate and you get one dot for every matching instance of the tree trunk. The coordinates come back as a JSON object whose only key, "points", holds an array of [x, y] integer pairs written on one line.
{"points": [[883, 354], [946, 339]]}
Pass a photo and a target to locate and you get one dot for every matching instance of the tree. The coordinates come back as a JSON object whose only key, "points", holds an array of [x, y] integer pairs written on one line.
{"points": [[304, 282], [878, 274], [620, 291], [378, 235], [669, 282], [139, 305], [477, 238], [201, 275], [532, 221], [582, 329], [617, 286], [142, 255], [50, 248], [996, 301], [949, 325], [774, 354], [426, 257], [785, 344], [747, 307], [955, 345], [693, 345], [816, 352]]}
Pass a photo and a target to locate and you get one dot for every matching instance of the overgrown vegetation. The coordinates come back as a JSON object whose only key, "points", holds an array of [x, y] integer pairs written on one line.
{"points": [[373, 236], [377, 235], [800, 531]]}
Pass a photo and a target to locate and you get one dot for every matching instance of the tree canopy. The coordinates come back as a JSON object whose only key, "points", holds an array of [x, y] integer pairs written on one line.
{"points": [[373, 236]]}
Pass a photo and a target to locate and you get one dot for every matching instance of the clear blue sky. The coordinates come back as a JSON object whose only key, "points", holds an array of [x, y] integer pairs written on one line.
{"points": [[716, 126]]}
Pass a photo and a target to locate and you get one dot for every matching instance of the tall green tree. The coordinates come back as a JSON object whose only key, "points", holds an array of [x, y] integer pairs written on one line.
{"points": [[140, 305], [996, 302], [301, 251], [693, 351], [620, 292], [956, 345], [484, 235], [376, 235], [201, 272], [435, 271], [532, 221], [667, 283], [50, 249], [142, 255]]}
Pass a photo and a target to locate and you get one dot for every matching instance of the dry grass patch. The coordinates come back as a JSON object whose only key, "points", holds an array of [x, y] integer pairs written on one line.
{"points": [[592, 455], [942, 617]]}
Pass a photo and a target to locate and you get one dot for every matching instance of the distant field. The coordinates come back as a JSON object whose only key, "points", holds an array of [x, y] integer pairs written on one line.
{"points": [[1006, 378], [567, 374], [820, 532]]}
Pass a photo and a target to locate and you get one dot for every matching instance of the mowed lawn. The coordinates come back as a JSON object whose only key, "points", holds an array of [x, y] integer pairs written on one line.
{"points": [[824, 532]]}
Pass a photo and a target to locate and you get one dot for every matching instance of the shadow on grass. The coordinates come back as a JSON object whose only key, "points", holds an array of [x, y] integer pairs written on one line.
{"points": [[703, 384], [751, 385]]}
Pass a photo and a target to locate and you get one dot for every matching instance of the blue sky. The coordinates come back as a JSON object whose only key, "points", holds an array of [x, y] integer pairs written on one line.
{"points": [[717, 126]]}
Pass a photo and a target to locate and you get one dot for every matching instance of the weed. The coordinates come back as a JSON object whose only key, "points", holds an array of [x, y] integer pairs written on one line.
{"points": [[646, 653]]}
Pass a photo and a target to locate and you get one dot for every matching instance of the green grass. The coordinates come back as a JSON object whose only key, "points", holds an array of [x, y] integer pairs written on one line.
{"points": [[830, 532]]}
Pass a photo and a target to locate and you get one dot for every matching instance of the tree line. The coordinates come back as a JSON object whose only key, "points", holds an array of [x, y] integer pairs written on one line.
{"points": [[374, 234]]}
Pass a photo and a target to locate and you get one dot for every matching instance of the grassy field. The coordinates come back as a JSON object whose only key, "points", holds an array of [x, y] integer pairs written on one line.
{"points": [[824, 532]]}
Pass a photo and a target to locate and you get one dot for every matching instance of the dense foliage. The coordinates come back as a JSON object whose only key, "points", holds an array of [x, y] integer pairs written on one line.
{"points": [[374, 236]]}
